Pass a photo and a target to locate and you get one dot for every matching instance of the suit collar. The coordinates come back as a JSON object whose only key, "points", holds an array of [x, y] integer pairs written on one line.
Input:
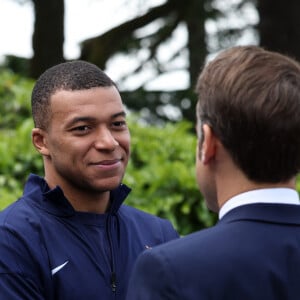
{"points": [[270, 195], [264, 212]]}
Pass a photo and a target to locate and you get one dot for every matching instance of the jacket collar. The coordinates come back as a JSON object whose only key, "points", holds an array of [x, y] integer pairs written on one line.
{"points": [[264, 212], [54, 201]]}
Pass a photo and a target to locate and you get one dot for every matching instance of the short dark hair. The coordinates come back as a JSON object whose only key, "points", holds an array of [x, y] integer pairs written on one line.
{"points": [[251, 99], [74, 75]]}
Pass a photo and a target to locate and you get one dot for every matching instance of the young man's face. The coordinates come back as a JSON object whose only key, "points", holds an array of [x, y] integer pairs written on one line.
{"points": [[88, 142]]}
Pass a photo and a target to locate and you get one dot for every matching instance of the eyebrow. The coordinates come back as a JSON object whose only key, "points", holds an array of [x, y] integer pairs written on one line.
{"points": [[119, 114], [93, 119]]}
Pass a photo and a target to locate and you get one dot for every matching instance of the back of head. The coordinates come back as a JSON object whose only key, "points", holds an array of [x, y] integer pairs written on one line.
{"points": [[74, 75], [251, 99]]}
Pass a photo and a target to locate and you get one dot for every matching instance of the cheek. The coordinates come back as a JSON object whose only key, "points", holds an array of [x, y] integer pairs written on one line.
{"points": [[124, 142], [68, 149], [55, 145]]}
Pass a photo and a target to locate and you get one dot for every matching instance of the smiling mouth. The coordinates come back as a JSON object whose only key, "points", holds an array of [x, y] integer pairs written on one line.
{"points": [[107, 163]]}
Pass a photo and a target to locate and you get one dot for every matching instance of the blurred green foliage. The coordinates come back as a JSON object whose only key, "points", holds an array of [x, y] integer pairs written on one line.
{"points": [[17, 156], [161, 171], [15, 92], [162, 174]]}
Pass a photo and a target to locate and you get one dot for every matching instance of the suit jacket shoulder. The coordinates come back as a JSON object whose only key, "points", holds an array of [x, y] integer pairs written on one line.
{"points": [[252, 253]]}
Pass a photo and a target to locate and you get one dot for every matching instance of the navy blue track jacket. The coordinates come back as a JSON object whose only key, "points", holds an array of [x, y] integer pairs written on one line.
{"points": [[50, 251]]}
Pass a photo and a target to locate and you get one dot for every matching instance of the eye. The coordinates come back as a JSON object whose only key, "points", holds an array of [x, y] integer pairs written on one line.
{"points": [[119, 124], [81, 129]]}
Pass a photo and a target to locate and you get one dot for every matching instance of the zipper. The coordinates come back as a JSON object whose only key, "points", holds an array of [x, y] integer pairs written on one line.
{"points": [[113, 282], [113, 276]]}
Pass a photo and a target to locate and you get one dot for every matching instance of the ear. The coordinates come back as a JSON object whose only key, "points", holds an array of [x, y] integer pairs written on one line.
{"points": [[207, 149], [39, 140]]}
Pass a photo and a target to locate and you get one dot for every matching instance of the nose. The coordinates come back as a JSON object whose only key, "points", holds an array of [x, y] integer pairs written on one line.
{"points": [[105, 140]]}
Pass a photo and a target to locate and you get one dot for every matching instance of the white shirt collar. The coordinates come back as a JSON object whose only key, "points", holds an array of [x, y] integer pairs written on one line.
{"points": [[272, 195]]}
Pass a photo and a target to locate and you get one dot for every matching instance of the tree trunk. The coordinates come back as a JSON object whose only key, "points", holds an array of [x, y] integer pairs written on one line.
{"points": [[279, 26], [48, 36], [195, 20]]}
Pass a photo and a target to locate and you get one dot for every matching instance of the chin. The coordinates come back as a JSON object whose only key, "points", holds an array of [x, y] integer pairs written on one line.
{"points": [[109, 185]]}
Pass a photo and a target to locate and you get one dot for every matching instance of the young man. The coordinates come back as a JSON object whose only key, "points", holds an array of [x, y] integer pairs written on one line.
{"points": [[248, 156], [70, 236]]}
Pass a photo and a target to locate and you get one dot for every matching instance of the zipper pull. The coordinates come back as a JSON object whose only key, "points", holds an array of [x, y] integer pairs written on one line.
{"points": [[113, 281]]}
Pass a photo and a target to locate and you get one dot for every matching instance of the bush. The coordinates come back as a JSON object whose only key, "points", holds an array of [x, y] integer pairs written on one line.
{"points": [[18, 159], [15, 93], [162, 174], [16, 152]]}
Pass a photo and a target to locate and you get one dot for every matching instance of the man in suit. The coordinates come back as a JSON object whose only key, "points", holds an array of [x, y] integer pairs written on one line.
{"points": [[248, 156]]}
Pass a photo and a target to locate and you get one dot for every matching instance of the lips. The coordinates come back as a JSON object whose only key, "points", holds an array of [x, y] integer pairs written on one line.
{"points": [[107, 162]]}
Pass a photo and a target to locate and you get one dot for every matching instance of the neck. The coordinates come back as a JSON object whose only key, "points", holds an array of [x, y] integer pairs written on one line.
{"points": [[237, 183], [90, 203], [231, 181], [83, 200]]}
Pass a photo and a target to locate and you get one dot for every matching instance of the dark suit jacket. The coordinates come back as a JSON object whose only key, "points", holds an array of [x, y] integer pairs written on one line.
{"points": [[253, 252]]}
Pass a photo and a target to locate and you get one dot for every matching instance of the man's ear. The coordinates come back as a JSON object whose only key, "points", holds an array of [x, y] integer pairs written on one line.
{"points": [[207, 149], [39, 141]]}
